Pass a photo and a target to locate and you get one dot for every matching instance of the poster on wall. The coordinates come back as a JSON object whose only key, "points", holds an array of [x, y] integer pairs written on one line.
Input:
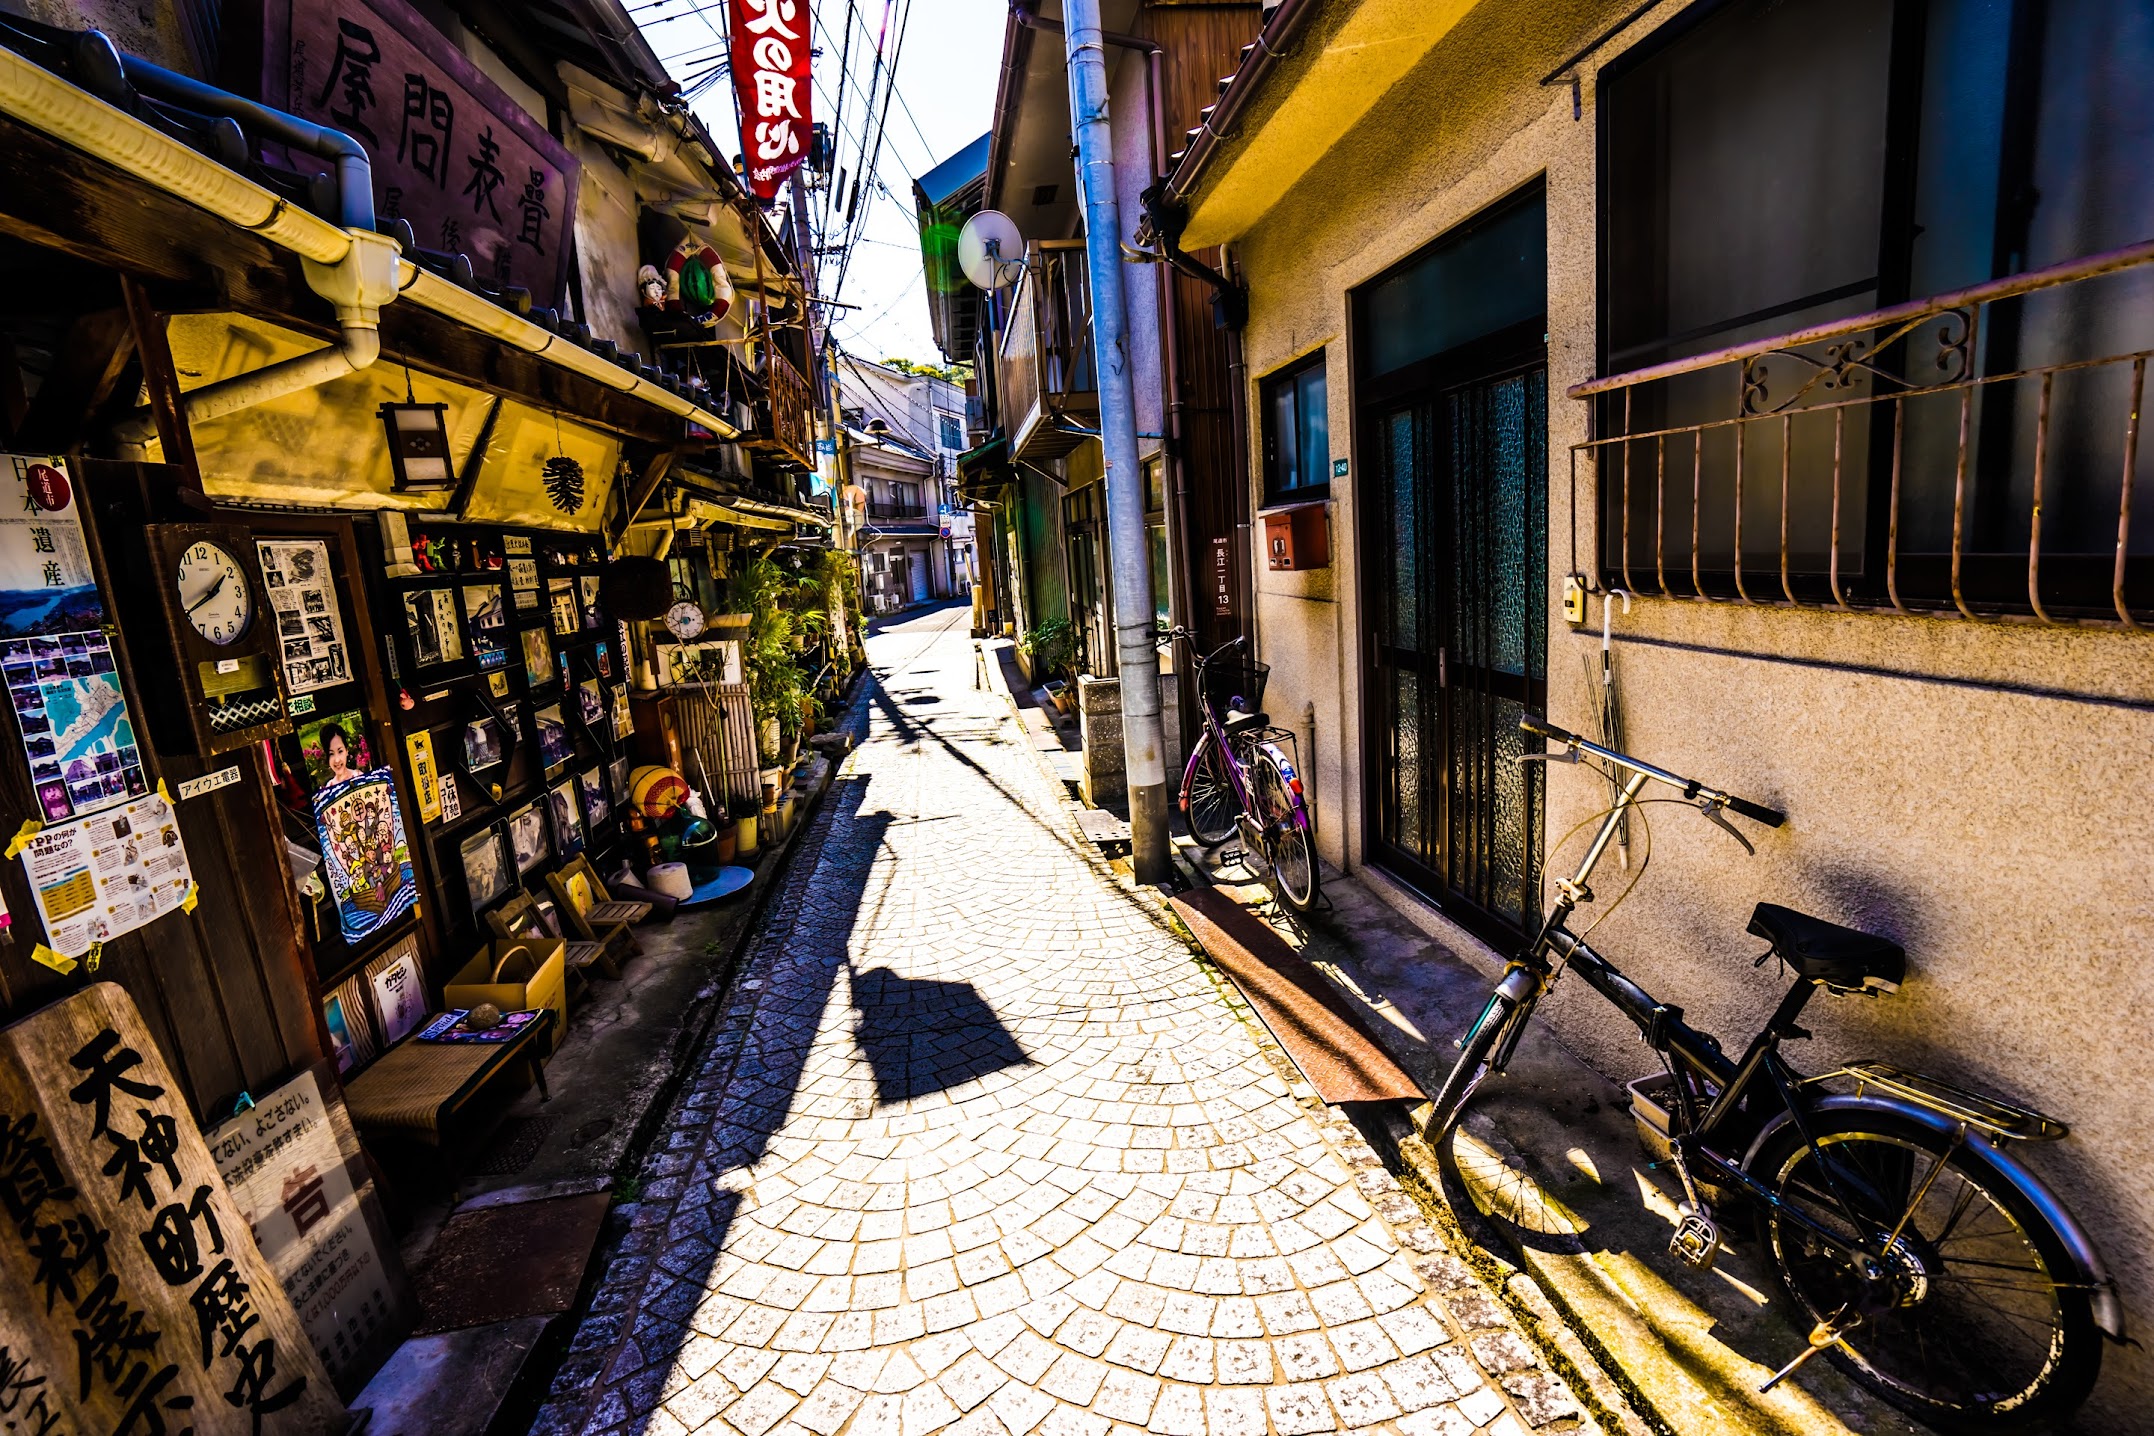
{"points": [[587, 586], [554, 743], [364, 854], [538, 658], [486, 867], [351, 1027], [596, 805], [139, 1301], [561, 603], [334, 749], [527, 837], [285, 1172], [63, 683], [106, 874], [399, 994], [624, 720], [310, 623], [567, 819], [425, 776]]}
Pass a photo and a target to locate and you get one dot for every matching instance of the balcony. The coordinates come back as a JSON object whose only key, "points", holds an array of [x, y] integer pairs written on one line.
{"points": [[1975, 454], [897, 511], [785, 427], [1050, 387]]}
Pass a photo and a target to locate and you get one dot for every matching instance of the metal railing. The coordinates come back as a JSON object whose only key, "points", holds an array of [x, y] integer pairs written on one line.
{"points": [[1045, 357], [1976, 452], [896, 511]]}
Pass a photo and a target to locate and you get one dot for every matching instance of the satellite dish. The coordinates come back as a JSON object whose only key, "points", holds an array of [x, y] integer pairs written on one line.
{"points": [[990, 250]]}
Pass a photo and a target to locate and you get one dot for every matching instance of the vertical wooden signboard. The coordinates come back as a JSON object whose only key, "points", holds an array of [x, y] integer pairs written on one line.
{"points": [[133, 1300]]}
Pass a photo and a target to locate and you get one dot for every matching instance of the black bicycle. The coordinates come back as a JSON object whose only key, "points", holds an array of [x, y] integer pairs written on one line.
{"points": [[1929, 1262]]}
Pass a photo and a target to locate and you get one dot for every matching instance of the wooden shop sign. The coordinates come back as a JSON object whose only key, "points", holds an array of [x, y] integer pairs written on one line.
{"points": [[132, 1296]]}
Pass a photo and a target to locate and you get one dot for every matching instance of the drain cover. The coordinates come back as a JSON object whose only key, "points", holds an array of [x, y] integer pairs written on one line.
{"points": [[514, 1146]]}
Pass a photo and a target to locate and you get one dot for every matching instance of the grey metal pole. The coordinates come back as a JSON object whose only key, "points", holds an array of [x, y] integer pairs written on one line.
{"points": [[1136, 653]]}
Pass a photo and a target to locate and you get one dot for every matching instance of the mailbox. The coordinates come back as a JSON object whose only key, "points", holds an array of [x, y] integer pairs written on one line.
{"points": [[1298, 537]]}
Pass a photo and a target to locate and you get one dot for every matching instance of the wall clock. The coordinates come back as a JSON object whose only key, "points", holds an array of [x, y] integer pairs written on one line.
{"points": [[684, 620], [224, 687]]}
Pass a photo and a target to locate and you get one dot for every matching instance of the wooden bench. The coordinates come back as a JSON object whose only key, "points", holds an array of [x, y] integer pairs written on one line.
{"points": [[590, 912], [521, 916]]}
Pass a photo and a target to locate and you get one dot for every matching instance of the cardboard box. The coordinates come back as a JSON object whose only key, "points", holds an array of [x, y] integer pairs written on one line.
{"points": [[546, 987]]}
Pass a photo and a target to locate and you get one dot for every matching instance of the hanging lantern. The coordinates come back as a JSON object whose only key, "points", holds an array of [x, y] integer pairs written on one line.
{"points": [[419, 447]]}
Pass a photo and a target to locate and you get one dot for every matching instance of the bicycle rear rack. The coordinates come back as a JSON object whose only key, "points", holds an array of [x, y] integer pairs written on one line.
{"points": [[1988, 1114]]}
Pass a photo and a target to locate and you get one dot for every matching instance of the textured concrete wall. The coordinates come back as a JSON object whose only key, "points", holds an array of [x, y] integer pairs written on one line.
{"points": [[1977, 792]]}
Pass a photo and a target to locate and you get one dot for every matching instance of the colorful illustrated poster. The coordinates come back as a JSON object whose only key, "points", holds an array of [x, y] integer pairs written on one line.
{"points": [[284, 1171], [62, 681], [399, 994], [425, 776], [364, 854], [110, 873], [334, 748], [309, 622]]}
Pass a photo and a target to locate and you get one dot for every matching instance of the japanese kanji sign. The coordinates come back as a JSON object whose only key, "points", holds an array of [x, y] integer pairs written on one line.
{"points": [[770, 74], [133, 1298], [471, 170]]}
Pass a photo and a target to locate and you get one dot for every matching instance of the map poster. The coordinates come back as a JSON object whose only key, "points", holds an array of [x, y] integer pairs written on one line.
{"points": [[285, 1171], [110, 873], [63, 683], [310, 624], [364, 853]]}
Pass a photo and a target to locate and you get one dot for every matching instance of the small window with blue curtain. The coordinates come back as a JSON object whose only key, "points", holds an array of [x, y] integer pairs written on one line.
{"points": [[1297, 433]]}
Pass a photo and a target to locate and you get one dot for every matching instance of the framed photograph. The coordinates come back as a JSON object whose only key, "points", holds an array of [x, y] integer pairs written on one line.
{"points": [[351, 1026], [430, 618], [567, 817], [554, 743], [334, 749], [591, 704], [538, 658], [602, 655], [624, 719], [486, 621], [587, 588], [597, 806], [617, 779], [483, 745], [561, 604], [487, 874], [527, 837]]}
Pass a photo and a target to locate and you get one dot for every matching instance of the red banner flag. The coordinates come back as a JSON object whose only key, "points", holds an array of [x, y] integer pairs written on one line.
{"points": [[770, 75]]}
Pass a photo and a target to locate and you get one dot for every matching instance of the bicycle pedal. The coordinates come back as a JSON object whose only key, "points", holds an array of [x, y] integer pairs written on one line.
{"points": [[1696, 1242]]}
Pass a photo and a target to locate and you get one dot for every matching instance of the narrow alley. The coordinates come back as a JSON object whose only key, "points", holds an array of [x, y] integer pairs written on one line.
{"points": [[978, 1146]]}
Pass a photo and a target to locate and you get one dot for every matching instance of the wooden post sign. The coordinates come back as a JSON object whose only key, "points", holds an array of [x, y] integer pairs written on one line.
{"points": [[133, 1300]]}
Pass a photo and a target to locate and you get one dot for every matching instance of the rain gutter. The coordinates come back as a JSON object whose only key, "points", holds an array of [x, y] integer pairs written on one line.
{"points": [[1272, 45], [42, 100]]}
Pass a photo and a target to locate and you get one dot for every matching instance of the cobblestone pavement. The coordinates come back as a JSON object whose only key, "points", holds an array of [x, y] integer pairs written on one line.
{"points": [[977, 1148]]}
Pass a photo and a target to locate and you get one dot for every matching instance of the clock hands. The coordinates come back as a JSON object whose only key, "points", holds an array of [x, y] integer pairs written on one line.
{"points": [[213, 591]]}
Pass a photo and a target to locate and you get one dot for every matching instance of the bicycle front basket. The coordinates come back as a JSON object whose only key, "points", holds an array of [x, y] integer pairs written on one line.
{"points": [[1235, 683]]}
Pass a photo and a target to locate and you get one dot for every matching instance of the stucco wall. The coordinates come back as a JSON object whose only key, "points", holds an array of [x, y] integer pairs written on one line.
{"points": [[1977, 792]]}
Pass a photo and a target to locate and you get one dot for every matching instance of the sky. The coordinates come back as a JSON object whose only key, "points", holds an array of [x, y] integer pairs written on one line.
{"points": [[946, 70]]}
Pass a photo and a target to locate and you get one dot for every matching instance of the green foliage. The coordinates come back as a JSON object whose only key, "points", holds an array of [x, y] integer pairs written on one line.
{"points": [[775, 601], [1052, 647], [954, 373]]}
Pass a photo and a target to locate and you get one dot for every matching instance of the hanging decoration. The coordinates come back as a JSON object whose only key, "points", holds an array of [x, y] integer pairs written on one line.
{"points": [[563, 475], [696, 282]]}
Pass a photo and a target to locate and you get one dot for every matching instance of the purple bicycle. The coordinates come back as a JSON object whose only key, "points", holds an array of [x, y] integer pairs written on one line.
{"points": [[1243, 778]]}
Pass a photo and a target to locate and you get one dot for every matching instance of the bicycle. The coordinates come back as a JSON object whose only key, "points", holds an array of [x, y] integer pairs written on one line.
{"points": [[1242, 777], [1934, 1267]]}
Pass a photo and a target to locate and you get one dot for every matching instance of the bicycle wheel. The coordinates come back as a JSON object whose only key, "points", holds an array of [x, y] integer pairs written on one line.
{"points": [[1213, 806], [1472, 1067], [1292, 863], [1971, 1321]]}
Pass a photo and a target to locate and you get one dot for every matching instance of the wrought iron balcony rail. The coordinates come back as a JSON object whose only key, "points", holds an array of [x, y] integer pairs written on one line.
{"points": [[1973, 453], [897, 511]]}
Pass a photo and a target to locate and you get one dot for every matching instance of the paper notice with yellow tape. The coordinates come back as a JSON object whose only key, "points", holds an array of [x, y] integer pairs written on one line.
{"points": [[101, 876]]}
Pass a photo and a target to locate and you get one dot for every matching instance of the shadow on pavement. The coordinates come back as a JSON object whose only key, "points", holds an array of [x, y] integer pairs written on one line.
{"points": [[922, 1036]]}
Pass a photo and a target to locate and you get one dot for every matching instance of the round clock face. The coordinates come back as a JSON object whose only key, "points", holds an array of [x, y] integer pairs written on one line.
{"points": [[213, 592], [684, 620]]}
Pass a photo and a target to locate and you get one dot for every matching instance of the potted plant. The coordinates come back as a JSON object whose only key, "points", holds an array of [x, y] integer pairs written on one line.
{"points": [[743, 812]]}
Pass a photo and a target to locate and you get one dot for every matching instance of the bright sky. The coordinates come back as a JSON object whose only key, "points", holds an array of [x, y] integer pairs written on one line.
{"points": [[950, 59]]}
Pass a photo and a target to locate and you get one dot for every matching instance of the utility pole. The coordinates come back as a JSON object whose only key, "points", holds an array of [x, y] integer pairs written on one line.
{"points": [[1136, 647]]}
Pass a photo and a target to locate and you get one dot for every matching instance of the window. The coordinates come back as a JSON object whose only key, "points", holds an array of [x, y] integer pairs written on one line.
{"points": [[953, 433], [1297, 433], [1770, 166]]}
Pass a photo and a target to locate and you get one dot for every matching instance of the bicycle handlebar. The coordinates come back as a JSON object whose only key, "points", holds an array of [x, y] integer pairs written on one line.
{"points": [[1691, 787]]}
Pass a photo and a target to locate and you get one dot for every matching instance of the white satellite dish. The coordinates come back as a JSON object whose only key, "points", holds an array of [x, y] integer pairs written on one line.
{"points": [[990, 250]]}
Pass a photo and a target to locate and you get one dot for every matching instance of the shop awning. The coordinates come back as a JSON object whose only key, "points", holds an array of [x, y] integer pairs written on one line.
{"points": [[759, 513], [984, 469]]}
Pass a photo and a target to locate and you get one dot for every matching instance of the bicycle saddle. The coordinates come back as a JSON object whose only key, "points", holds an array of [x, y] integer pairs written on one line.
{"points": [[1837, 956], [1236, 722]]}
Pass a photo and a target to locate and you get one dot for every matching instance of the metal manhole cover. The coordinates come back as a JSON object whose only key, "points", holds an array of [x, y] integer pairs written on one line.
{"points": [[514, 1146]]}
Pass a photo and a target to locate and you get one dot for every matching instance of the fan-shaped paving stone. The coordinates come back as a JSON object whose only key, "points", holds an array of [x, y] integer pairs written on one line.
{"points": [[977, 1149]]}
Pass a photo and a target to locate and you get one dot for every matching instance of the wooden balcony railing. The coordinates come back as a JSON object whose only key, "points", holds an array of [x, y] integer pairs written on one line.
{"points": [[786, 425], [1975, 453], [1049, 384]]}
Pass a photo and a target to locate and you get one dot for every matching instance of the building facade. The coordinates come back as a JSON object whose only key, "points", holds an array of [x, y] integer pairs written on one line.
{"points": [[1806, 339], [903, 434]]}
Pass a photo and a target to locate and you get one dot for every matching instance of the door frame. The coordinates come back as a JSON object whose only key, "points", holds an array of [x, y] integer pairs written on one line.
{"points": [[1517, 349]]}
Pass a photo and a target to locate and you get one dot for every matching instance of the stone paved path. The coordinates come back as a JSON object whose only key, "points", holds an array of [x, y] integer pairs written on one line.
{"points": [[979, 1149]]}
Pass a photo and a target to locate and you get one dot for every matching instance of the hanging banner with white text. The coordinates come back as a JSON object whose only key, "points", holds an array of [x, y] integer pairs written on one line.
{"points": [[770, 75]]}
